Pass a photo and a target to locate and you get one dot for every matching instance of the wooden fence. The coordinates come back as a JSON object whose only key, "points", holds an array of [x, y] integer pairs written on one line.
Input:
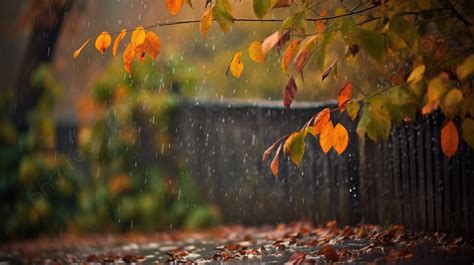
{"points": [[406, 180]]}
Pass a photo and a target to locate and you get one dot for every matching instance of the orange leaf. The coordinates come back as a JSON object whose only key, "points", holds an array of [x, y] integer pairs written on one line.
{"points": [[285, 62], [270, 42], [322, 120], [325, 140], [329, 253], [174, 6], [344, 96], [300, 61], [449, 139], [255, 52], [103, 42], [274, 164], [78, 51], [117, 41], [205, 23], [236, 66], [289, 92], [151, 44], [139, 52], [128, 55], [320, 25], [340, 138], [138, 36]]}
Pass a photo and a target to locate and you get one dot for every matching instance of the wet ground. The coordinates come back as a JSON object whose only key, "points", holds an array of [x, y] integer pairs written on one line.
{"points": [[294, 243]]}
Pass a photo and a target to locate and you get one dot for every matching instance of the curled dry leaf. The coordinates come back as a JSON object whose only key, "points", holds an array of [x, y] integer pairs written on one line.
{"points": [[255, 52], [329, 252], [289, 92], [151, 44], [296, 258], [78, 51], [345, 94], [321, 120], [270, 42], [117, 41], [138, 36], [173, 6], [236, 66], [205, 23], [449, 139], [274, 164], [340, 138], [103, 41], [326, 139], [128, 55]]}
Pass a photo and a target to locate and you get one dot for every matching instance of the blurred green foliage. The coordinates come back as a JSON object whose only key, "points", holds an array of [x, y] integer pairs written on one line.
{"points": [[123, 177]]}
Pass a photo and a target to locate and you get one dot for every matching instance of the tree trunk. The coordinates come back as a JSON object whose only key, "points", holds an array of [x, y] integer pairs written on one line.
{"points": [[45, 30]]}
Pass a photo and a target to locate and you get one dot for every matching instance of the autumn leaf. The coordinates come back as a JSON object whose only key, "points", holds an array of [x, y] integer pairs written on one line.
{"points": [[222, 12], [173, 6], [261, 7], [321, 120], [344, 96], [128, 55], [296, 258], [236, 66], [294, 146], [117, 41], [328, 70], [301, 59], [102, 42], [326, 138], [151, 44], [320, 25], [289, 92], [205, 23], [468, 131], [78, 51], [270, 42], [274, 163], [466, 68], [340, 138], [449, 139], [139, 52], [255, 52], [329, 253], [287, 54], [417, 74], [138, 36], [353, 108], [451, 102]]}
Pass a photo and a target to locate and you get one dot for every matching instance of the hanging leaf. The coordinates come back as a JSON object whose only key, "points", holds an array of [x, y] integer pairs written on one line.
{"points": [[128, 55], [340, 138], [326, 138], [205, 23], [328, 70], [274, 164], [236, 66], [417, 74], [294, 146], [289, 92], [103, 41], [138, 36], [117, 41], [174, 6], [270, 42], [284, 38], [139, 52], [344, 96], [290, 50], [451, 103], [321, 120], [255, 52], [353, 107], [449, 139], [468, 131], [78, 51], [222, 12], [373, 44], [300, 61], [466, 68], [261, 7], [151, 44], [320, 25]]}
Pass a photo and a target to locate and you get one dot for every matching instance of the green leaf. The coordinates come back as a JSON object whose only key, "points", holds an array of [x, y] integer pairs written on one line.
{"points": [[375, 120], [222, 12], [466, 68], [350, 32], [468, 131], [404, 29], [399, 95], [295, 147], [261, 7], [296, 21], [353, 109], [373, 43]]}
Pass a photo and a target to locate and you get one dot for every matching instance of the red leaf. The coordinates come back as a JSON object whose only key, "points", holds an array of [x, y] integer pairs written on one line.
{"points": [[296, 258], [290, 92], [344, 96]]}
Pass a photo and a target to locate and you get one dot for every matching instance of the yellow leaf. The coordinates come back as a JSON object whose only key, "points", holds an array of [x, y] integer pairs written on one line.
{"points": [[353, 108], [449, 139], [236, 66], [117, 41], [205, 23], [138, 36], [174, 6], [128, 55], [451, 102], [417, 74], [103, 42], [255, 52], [340, 138], [270, 42], [468, 131], [151, 44], [78, 51], [325, 140], [466, 68], [344, 96], [321, 120], [290, 50]]}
